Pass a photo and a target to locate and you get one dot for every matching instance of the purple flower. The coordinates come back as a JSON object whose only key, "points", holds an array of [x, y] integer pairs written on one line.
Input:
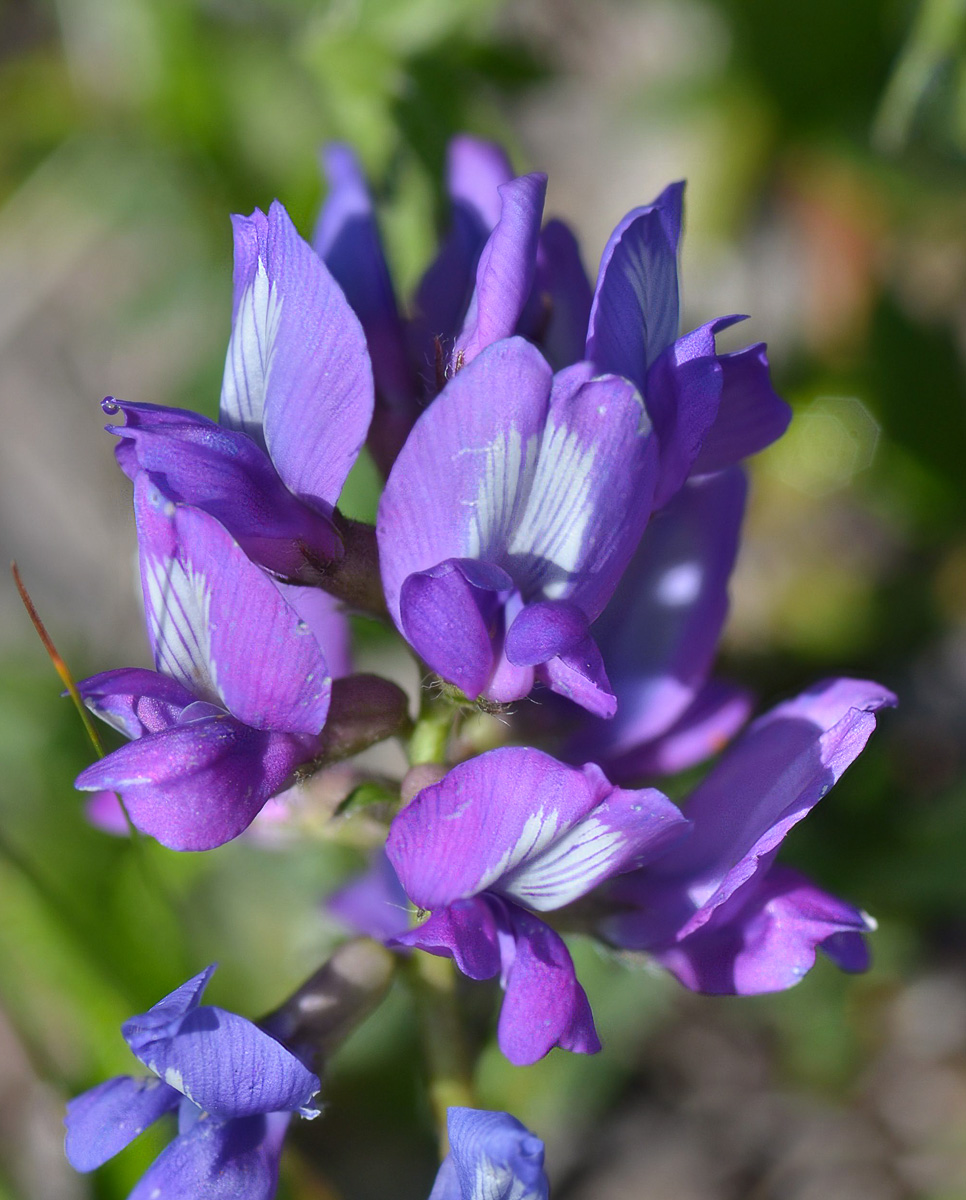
{"points": [[505, 835], [715, 910], [234, 1089], [659, 635], [240, 694], [492, 1157], [709, 410], [296, 403], [508, 519]]}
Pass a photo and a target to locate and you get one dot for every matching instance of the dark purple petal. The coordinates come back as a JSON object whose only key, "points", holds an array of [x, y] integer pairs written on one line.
{"points": [[544, 1005], [767, 942], [218, 1160], [465, 931], [454, 489], [103, 810], [702, 731], [505, 272], [219, 625], [492, 1155], [751, 414], [194, 461], [543, 630], [198, 785], [558, 311], [135, 701], [347, 240], [683, 394], [102, 1121], [634, 316], [660, 631], [373, 903], [485, 818], [448, 615], [297, 375], [475, 172]]}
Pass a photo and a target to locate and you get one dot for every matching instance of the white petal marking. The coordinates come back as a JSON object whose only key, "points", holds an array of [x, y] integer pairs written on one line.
{"points": [[179, 601], [574, 864], [251, 347], [496, 1181]]}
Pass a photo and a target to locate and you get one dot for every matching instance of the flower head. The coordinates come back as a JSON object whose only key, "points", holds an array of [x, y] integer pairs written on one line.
{"points": [[492, 1157], [234, 1089]]}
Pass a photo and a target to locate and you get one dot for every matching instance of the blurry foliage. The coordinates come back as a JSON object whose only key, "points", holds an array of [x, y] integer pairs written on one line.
{"points": [[845, 129]]}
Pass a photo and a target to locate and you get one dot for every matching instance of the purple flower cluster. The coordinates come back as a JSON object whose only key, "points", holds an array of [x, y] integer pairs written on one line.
{"points": [[561, 515]]}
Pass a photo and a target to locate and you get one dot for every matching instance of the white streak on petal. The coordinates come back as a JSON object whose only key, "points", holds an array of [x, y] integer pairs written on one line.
{"points": [[537, 833], [179, 600], [575, 863], [250, 351], [680, 585], [504, 483]]}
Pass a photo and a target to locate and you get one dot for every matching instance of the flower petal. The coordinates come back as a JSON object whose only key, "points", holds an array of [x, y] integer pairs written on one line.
{"points": [[297, 375], [194, 461], [219, 625], [198, 785], [544, 1005], [579, 675], [751, 415], [492, 1157], [505, 272], [625, 830], [487, 817], [543, 630], [374, 902], [635, 309], [769, 942], [102, 1121], [559, 306], [661, 629], [218, 1160], [465, 931], [223, 1063], [449, 615], [454, 489], [135, 701]]}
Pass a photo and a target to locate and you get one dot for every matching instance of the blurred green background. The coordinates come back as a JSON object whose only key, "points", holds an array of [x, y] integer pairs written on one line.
{"points": [[825, 148]]}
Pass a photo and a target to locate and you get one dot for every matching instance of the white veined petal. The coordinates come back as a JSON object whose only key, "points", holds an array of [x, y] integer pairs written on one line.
{"points": [[179, 603], [504, 484], [248, 363], [550, 533], [575, 863], [538, 832], [497, 1181]]}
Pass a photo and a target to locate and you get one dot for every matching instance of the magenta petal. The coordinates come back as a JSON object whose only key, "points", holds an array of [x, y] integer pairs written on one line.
{"points": [[102, 1121], [448, 614], [218, 1160], [544, 1005], [297, 375], [634, 316], [465, 931], [326, 618], [196, 786], [505, 273], [487, 817], [579, 675], [751, 415], [194, 461], [135, 701]]}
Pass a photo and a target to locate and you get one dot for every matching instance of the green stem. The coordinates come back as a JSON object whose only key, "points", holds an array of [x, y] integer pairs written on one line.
{"points": [[433, 982], [431, 734]]}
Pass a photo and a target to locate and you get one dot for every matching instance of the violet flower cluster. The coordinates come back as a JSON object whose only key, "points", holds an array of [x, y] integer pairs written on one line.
{"points": [[561, 515]]}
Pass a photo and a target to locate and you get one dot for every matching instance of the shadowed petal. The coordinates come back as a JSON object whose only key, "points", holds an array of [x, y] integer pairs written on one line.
{"points": [[102, 1121], [218, 1160], [297, 375], [135, 701], [635, 308], [559, 306], [751, 415], [465, 931], [579, 675]]}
